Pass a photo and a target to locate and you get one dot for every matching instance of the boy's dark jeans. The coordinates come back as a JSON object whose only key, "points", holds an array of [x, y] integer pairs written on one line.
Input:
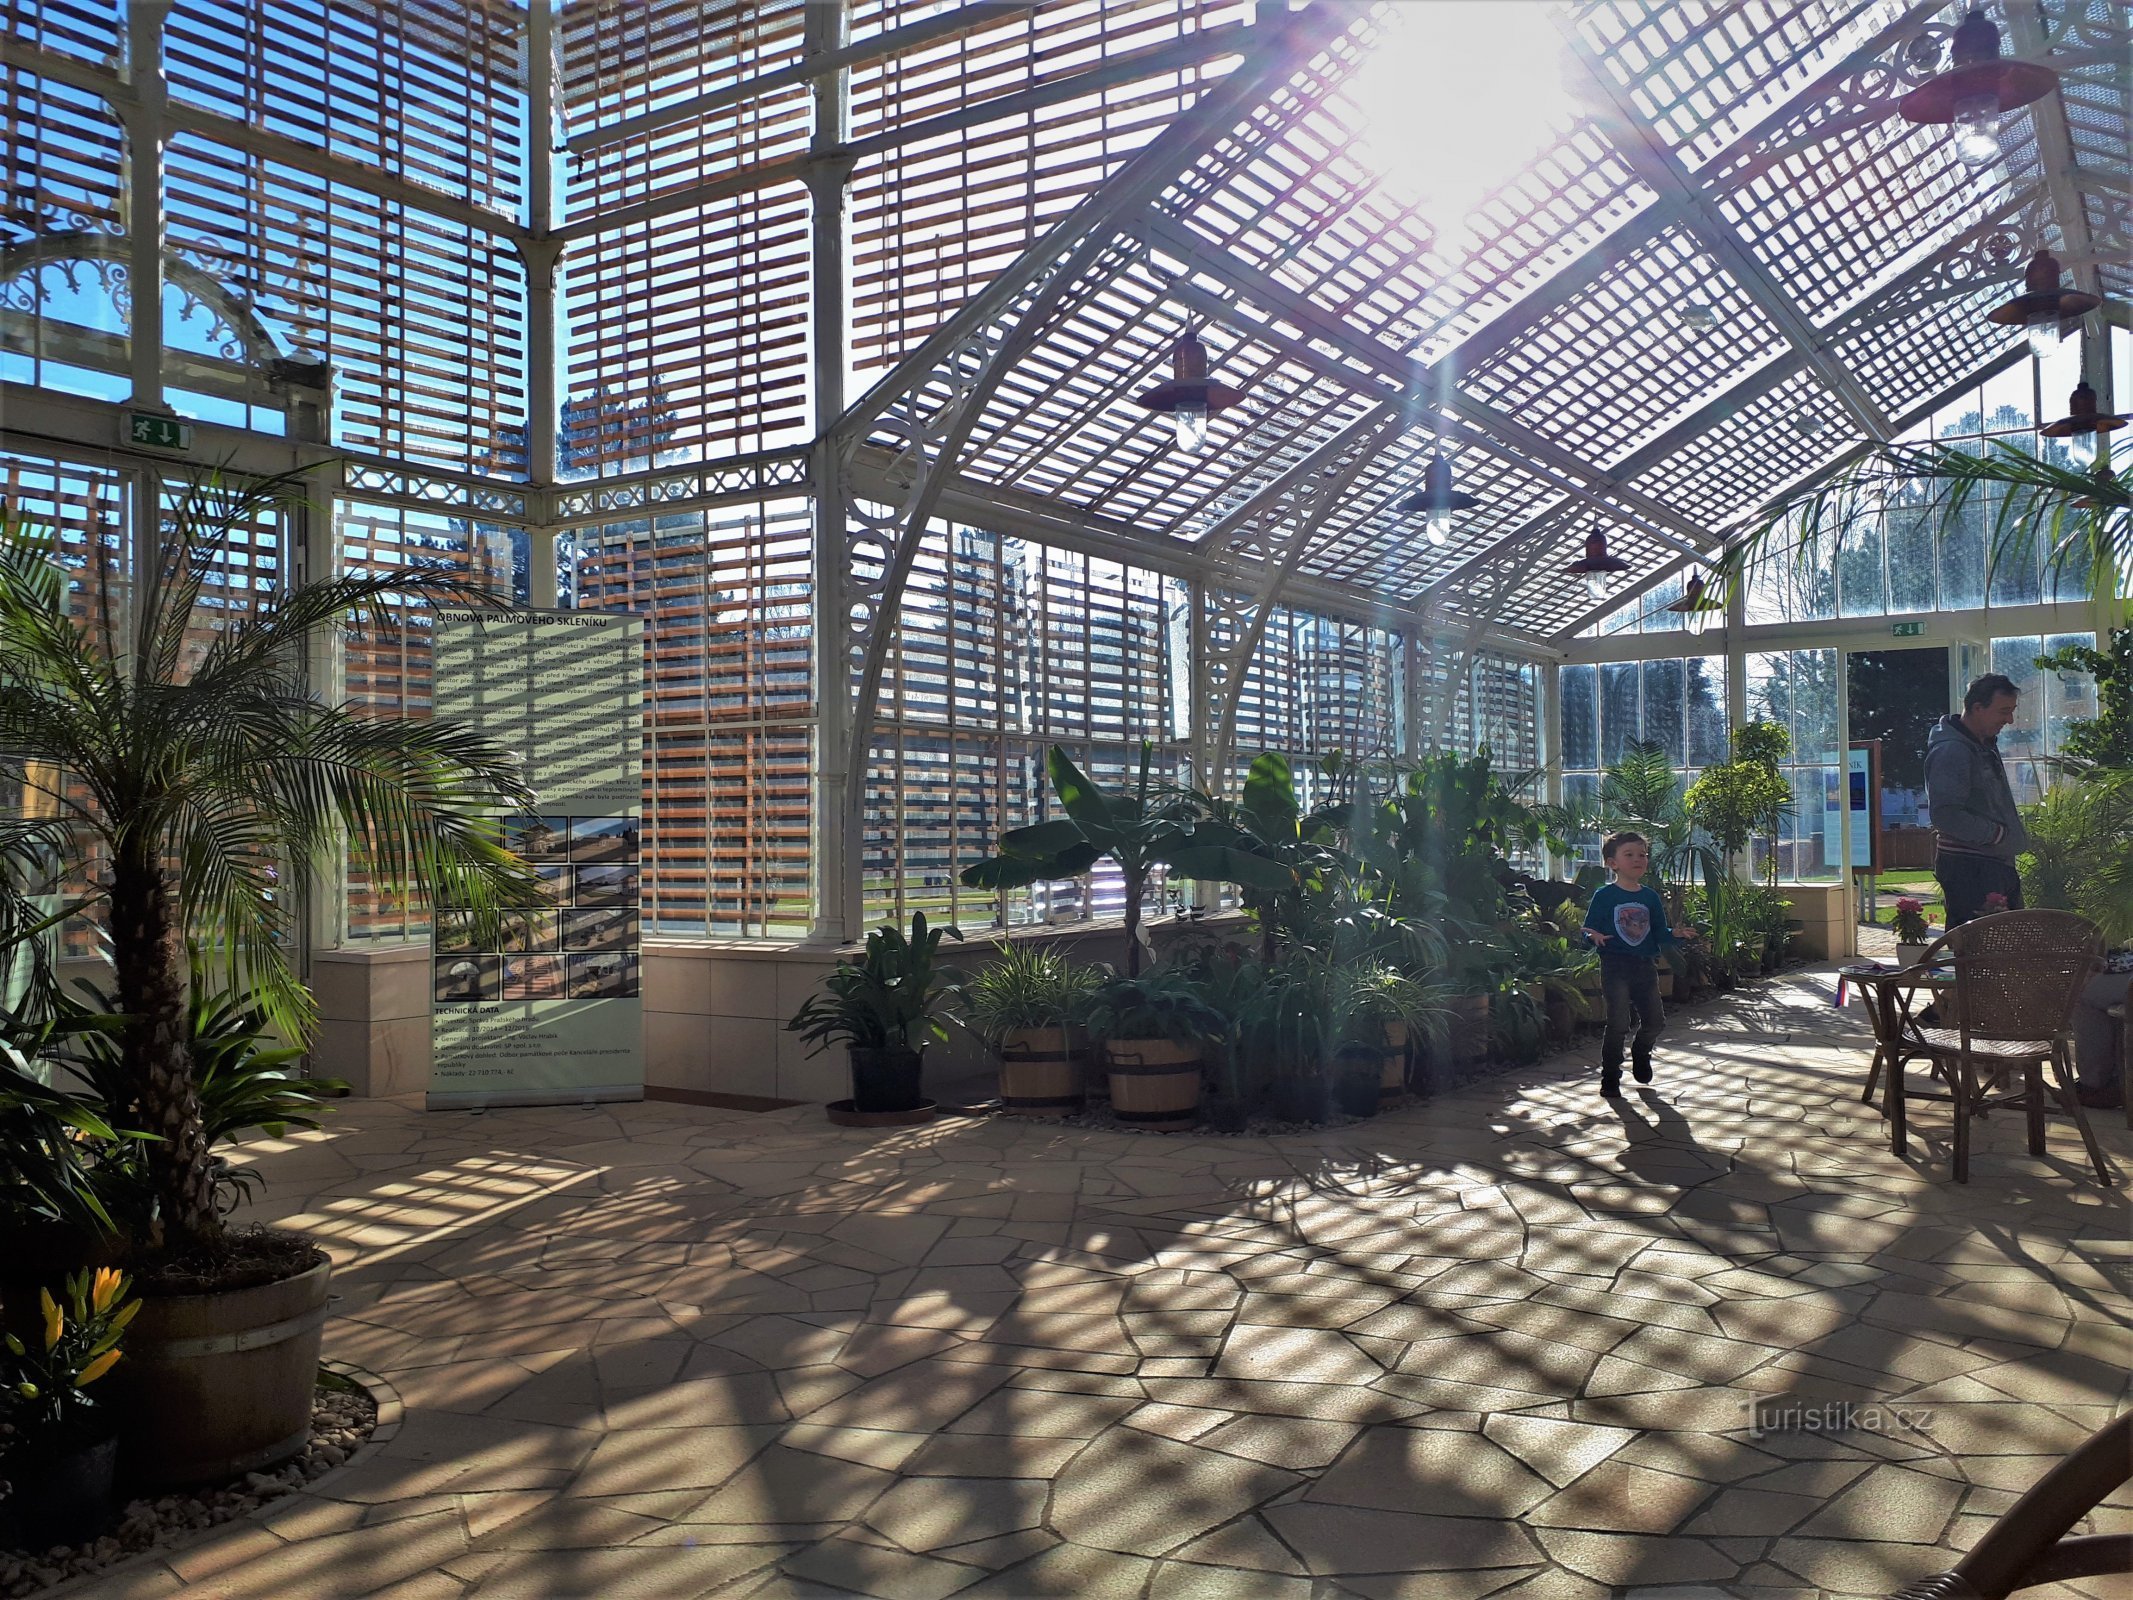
{"points": [[1632, 990]]}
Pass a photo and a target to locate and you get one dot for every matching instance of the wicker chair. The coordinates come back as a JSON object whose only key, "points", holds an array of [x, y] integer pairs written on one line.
{"points": [[2027, 1547], [2017, 976]]}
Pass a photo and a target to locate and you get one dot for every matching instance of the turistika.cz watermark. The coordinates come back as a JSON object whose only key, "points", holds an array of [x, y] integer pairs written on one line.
{"points": [[1834, 1416]]}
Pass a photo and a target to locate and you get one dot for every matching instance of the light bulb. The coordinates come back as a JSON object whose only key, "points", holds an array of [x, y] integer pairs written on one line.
{"points": [[2043, 331], [1437, 527], [1190, 420], [2081, 448], [1975, 132], [1596, 585]]}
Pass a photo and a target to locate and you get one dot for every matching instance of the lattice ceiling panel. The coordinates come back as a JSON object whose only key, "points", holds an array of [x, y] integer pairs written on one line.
{"points": [[1368, 542], [1062, 423], [1530, 588], [1611, 365], [1724, 474], [1836, 220], [1906, 362], [1311, 214], [1703, 72]]}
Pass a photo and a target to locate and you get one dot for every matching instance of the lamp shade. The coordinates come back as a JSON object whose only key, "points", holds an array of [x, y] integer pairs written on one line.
{"points": [[1977, 75], [2042, 295], [1437, 493], [2082, 416]]}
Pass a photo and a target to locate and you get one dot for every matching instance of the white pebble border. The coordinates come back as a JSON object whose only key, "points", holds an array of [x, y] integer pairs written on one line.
{"points": [[344, 1427]]}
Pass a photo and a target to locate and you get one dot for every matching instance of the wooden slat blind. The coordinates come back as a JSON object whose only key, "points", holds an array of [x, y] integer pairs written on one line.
{"points": [[387, 671], [422, 319], [94, 30], [432, 90], [933, 220], [729, 709], [1004, 648], [699, 318]]}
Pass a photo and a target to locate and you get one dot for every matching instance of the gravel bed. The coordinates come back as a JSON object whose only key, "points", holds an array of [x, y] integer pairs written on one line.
{"points": [[342, 1417]]}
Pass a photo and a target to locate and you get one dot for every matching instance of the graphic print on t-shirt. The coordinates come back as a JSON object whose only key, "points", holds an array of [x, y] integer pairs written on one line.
{"points": [[1633, 921]]}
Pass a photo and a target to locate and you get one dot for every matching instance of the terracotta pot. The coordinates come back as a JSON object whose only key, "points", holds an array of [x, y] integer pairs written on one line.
{"points": [[1040, 1073], [1392, 1064], [1470, 1028], [213, 1386], [1155, 1083]]}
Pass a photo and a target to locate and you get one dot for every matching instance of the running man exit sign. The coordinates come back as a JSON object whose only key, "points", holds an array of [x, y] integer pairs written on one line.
{"points": [[160, 433], [1908, 630]]}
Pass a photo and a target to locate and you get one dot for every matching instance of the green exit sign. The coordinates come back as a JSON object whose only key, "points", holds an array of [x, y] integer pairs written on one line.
{"points": [[159, 433], [1908, 630]]}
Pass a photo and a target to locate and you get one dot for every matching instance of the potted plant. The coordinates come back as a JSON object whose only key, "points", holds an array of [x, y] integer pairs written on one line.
{"points": [[1153, 825], [1028, 1005], [884, 1008], [184, 750], [1913, 933], [1381, 1009], [1153, 1030], [58, 1450]]}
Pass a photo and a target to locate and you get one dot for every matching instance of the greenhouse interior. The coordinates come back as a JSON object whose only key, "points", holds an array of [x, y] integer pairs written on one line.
{"points": [[1145, 798]]}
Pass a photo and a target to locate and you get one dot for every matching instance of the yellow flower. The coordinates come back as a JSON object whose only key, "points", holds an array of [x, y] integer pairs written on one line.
{"points": [[54, 1324], [127, 1313], [95, 1369], [109, 1283]]}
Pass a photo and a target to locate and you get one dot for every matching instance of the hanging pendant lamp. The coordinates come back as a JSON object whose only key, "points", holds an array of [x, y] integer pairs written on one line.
{"points": [[1597, 567], [1695, 605], [2082, 417], [1979, 86], [1437, 501], [1191, 397], [2044, 304]]}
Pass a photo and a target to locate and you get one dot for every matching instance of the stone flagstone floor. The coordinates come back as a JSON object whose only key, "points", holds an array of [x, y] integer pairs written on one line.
{"points": [[1497, 1343]]}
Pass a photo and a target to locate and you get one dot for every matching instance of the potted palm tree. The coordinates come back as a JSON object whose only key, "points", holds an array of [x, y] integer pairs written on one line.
{"points": [[185, 754], [1028, 1006], [884, 1008]]}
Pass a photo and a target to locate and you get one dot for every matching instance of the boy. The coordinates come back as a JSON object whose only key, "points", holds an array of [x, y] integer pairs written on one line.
{"points": [[1628, 923]]}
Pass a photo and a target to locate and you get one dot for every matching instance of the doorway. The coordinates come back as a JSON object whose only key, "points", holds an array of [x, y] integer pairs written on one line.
{"points": [[1894, 697]]}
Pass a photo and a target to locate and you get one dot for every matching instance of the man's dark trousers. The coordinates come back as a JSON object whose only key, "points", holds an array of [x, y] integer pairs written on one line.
{"points": [[1966, 879]]}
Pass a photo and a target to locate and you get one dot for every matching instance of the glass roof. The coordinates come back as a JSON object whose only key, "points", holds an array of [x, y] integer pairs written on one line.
{"points": [[1651, 264]]}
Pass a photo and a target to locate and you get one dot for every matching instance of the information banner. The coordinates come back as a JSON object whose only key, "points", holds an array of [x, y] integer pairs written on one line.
{"points": [[550, 1012]]}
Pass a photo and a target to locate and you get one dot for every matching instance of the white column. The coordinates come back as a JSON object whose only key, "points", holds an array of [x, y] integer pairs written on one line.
{"points": [[838, 829], [143, 118], [542, 257]]}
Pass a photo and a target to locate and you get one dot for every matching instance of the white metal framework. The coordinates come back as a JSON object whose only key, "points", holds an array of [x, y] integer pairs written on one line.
{"points": [[810, 329]]}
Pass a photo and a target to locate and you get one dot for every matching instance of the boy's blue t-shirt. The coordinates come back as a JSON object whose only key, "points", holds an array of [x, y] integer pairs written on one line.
{"points": [[1636, 922]]}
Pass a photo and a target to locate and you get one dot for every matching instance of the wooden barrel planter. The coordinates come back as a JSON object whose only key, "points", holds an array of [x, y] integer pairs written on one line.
{"points": [[1040, 1073], [1155, 1083], [217, 1385], [1392, 1067]]}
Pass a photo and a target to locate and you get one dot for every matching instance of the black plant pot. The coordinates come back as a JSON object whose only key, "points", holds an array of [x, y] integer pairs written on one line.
{"points": [[1224, 1114], [887, 1079], [1355, 1091], [1301, 1099], [61, 1490]]}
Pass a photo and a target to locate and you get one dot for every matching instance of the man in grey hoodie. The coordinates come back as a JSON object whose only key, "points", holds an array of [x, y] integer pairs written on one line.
{"points": [[1973, 808]]}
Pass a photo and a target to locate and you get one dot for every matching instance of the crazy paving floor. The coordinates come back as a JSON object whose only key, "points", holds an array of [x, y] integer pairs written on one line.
{"points": [[1497, 1343]]}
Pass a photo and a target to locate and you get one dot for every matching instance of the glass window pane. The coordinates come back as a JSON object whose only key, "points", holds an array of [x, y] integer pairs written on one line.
{"points": [[1704, 694], [1908, 529], [1663, 720], [1581, 731], [1619, 719], [1860, 586]]}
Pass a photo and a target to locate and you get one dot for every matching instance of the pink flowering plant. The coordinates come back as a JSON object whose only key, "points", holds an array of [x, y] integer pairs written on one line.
{"points": [[1910, 921]]}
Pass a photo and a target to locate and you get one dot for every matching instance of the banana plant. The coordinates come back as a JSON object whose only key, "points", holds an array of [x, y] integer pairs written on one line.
{"points": [[1147, 827]]}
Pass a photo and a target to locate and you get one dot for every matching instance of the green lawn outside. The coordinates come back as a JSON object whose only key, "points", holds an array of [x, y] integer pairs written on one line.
{"points": [[1920, 885]]}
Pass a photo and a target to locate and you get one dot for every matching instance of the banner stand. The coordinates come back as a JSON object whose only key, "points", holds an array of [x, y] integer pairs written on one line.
{"points": [[551, 1011]]}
